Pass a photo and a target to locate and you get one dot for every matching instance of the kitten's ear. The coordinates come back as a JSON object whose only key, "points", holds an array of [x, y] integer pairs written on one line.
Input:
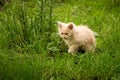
{"points": [[70, 26], [59, 24]]}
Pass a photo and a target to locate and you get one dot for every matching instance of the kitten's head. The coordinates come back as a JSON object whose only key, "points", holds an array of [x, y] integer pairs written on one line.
{"points": [[65, 30]]}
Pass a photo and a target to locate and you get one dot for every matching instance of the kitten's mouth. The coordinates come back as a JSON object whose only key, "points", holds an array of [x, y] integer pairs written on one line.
{"points": [[65, 38]]}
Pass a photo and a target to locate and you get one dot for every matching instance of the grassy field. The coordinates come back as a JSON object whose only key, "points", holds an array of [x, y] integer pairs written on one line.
{"points": [[30, 47]]}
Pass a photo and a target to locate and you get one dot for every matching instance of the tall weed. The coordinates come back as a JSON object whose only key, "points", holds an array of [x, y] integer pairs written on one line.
{"points": [[26, 30]]}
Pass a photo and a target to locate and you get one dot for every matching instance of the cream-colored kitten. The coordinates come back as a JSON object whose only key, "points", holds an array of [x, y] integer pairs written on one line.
{"points": [[78, 38]]}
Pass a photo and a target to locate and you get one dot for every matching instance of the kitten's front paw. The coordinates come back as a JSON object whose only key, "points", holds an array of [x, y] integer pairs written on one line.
{"points": [[71, 51]]}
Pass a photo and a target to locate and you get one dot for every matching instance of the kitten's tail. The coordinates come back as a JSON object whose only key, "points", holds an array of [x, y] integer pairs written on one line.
{"points": [[96, 34]]}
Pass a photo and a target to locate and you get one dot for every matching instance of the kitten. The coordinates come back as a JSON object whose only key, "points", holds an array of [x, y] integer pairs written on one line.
{"points": [[78, 38]]}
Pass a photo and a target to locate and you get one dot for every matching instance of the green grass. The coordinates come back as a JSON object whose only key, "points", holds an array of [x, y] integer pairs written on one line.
{"points": [[30, 48]]}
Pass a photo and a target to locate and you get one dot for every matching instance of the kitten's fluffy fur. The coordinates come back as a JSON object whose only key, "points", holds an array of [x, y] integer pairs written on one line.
{"points": [[78, 38]]}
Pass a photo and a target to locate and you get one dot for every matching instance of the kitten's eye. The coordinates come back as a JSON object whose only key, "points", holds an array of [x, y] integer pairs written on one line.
{"points": [[66, 33], [62, 33]]}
